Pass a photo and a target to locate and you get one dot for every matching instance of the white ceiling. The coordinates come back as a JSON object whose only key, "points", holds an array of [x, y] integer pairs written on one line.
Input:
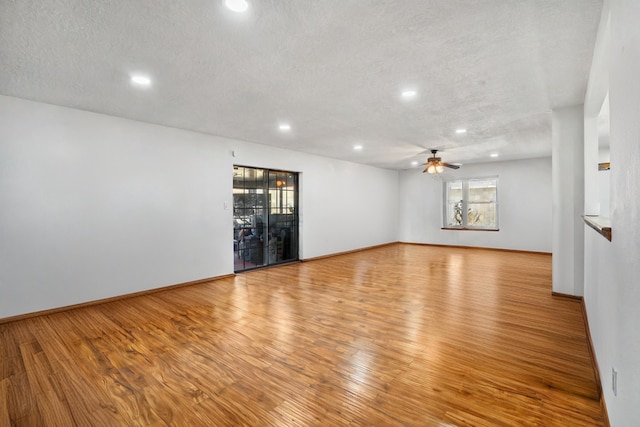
{"points": [[333, 69]]}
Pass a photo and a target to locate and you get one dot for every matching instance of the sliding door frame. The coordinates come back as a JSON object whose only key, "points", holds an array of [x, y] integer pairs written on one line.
{"points": [[266, 227]]}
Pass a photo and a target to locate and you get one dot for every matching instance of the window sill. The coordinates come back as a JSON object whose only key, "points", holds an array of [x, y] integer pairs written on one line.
{"points": [[599, 223], [469, 229]]}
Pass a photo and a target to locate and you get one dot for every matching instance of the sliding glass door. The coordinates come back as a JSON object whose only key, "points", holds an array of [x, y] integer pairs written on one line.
{"points": [[265, 217]]}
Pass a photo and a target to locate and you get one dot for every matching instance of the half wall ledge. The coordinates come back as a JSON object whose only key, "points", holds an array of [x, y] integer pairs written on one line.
{"points": [[599, 223]]}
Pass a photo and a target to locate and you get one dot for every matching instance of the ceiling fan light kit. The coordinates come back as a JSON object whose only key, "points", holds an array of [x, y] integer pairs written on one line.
{"points": [[433, 168], [436, 165]]}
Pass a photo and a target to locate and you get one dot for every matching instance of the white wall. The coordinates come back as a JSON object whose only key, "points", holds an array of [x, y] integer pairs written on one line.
{"points": [[524, 193], [604, 182], [93, 206], [612, 269]]}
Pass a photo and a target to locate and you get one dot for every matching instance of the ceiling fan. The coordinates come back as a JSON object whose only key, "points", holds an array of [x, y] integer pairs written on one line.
{"points": [[436, 165]]}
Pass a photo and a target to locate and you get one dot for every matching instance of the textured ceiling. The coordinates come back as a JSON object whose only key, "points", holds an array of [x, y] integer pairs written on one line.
{"points": [[333, 69]]}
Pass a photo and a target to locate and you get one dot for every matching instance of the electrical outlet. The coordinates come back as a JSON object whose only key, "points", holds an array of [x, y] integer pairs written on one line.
{"points": [[614, 381]]}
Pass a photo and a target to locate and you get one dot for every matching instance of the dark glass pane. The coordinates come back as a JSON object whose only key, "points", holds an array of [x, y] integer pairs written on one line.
{"points": [[283, 226], [248, 218]]}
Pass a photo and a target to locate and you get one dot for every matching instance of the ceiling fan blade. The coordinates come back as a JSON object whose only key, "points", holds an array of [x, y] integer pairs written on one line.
{"points": [[449, 165]]}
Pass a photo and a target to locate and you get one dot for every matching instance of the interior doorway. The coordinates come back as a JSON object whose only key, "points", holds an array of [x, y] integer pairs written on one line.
{"points": [[265, 217]]}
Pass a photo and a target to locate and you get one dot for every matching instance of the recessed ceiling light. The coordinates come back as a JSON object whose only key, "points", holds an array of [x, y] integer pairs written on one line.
{"points": [[414, 163], [237, 5], [461, 131], [409, 94], [140, 80], [357, 147], [493, 154], [284, 127]]}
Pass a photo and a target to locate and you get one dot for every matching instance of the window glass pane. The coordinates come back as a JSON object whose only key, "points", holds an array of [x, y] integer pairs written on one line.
{"points": [[482, 215], [453, 212], [482, 190], [281, 222], [249, 216]]}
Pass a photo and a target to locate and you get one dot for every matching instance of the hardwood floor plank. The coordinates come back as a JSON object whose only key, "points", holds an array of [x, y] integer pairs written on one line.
{"points": [[397, 335], [42, 384], [5, 420]]}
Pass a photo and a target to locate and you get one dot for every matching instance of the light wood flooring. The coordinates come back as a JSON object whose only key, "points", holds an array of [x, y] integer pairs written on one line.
{"points": [[401, 335]]}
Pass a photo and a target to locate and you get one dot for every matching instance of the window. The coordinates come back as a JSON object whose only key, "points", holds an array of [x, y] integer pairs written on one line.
{"points": [[471, 204]]}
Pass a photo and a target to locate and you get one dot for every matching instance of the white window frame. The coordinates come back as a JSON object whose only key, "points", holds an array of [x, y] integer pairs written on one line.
{"points": [[465, 205]]}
